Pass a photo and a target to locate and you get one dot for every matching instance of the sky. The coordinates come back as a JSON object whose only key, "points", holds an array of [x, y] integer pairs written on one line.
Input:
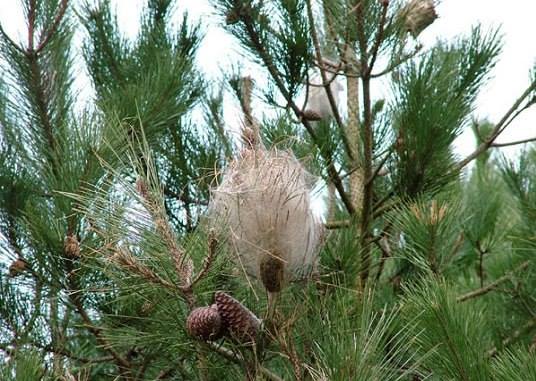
{"points": [[510, 76]]}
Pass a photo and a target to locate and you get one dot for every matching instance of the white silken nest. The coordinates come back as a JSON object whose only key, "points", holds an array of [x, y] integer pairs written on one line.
{"points": [[317, 101], [263, 208]]}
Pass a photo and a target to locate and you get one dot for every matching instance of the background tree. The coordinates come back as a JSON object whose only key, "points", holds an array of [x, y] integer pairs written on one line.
{"points": [[111, 271]]}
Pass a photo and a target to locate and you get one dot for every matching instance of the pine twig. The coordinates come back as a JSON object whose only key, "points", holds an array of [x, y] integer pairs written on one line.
{"points": [[45, 38], [514, 143], [490, 287], [353, 127], [368, 147], [333, 175], [325, 81], [284, 337], [508, 117], [129, 262], [183, 263], [379, 38], [251, 136], [331, 225], [209, 259], [513, 337], [238, 359]]}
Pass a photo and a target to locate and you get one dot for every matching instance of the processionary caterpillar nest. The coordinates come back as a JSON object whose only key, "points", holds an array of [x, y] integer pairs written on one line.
{"points": [[263, 208]]}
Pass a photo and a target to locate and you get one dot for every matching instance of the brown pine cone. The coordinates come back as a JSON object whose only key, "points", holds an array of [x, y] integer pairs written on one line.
{"points": [[17, 267], [272, 272], [205, 323], [240, 322], [311, 115], [71, 247]]}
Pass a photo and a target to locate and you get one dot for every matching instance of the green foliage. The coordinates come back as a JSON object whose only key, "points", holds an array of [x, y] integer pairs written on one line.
{"points": [[27, 365], [275, 35], [373, 351], [451, 335], [338, 258], [517, 365], [36, 109], [433, 100], [152, 84], [483, 210], [520, 178], [153, 79], [430, 234], [104, 251]]}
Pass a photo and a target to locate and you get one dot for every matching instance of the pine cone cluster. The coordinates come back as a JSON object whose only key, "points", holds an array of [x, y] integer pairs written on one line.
{"points": [[226, 316]]}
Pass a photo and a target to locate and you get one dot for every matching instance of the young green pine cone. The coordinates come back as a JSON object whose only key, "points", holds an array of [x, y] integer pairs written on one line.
{"points": [[205, 323], [240, 322]]}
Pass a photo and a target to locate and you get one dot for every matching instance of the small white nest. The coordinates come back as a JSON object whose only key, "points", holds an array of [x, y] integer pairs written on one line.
{"points": [[420, 14], [263, 208], [317, 98]]}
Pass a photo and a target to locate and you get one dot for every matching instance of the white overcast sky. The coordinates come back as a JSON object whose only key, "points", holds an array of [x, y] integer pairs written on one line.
{"points": [[510, 77]]}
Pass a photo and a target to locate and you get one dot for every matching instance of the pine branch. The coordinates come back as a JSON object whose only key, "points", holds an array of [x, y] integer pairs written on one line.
{"points": [[490, 287], [250, 132], [42, 109], [529, 140], [31, 26], [45, 38], [209, 259], [513, 337], [351, 68], [337, 224], [508, 117], [325, 82], [122, 363], [183, 263], [126, 260], [379, 38], [327, 156], [368, 144], [238, 359]]}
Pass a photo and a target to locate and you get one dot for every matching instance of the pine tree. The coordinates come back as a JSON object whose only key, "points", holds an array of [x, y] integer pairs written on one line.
{"points": [[140, 241]]}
